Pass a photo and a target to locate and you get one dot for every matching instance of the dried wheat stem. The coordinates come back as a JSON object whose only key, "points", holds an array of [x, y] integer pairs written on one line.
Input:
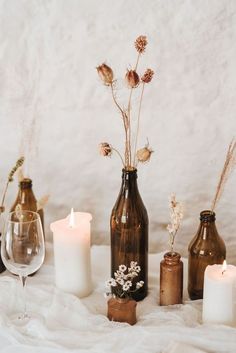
{"points": [[226, 171]]}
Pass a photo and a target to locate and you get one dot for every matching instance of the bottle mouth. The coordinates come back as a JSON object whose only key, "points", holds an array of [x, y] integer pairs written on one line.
{"points": [[207, 216], [129, 170], [25, 183], [172, 256]]}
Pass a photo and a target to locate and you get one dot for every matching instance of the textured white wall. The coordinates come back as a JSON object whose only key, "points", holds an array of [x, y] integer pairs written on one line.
{"points": [[53, 104]]}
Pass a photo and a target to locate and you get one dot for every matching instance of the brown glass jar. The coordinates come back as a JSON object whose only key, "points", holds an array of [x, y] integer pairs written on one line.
{"points": [[129, 231], [27, 199], [171, 279], [206, 248], [122, 310]]}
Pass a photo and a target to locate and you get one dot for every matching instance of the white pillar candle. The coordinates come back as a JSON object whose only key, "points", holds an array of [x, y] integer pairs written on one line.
{"points": [[71, 241], [219, 294]]}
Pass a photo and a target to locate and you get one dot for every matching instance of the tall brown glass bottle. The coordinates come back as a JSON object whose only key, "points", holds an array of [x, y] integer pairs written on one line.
{"points": [[129, 231], [27, 199], [206, 248]]}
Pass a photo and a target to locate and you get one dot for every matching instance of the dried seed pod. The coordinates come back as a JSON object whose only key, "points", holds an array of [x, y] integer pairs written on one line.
{"points": [[144, 154], [132, 78], [105, 73], [105, 149], [140, 44], [147, 76]]}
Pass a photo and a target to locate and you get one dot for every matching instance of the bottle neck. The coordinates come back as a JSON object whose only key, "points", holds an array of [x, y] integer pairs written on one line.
{"points": [[129, 181], [207, 228]]}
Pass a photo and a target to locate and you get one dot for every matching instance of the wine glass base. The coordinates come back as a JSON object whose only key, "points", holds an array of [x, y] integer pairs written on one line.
{"points": [[21, 319]]}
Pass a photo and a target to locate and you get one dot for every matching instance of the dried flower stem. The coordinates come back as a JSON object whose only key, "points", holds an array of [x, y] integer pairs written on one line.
{"points": [[125, 121], [229, 165], [138, 123], [129, 117], [115, 150]]}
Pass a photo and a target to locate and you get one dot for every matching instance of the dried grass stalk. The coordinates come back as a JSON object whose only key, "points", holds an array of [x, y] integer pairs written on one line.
{"points": [[229, 165]]}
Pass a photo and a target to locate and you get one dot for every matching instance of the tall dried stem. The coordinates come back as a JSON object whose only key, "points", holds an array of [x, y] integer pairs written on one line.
{"points": [[125, 122], [138, 122], [229, 165], [129, 115]]}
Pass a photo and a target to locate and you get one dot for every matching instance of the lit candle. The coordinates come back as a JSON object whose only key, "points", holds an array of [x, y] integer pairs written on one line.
{"points": [[219, 294], [71, 240]]}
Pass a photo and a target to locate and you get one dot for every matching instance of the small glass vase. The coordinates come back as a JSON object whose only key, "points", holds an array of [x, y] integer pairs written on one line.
{"points": [[171, 279], [206, 248], [122, 310], [129, 231]]}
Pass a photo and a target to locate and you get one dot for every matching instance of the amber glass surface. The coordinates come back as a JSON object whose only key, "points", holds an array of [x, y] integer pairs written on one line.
{"points": [[129, 231], [122, 310], [171, 279], [2, 266], [27, 199], [206, 248]]}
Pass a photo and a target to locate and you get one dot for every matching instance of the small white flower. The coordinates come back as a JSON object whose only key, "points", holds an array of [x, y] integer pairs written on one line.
{"points": [[137, 269], [133, 264], [119, 274], [120, 281], [129, 283], [139, 284], [122, 268], [111, 283], [125, 287]]}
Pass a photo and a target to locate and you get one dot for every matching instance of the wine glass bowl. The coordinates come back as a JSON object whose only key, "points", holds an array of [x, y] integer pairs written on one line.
{"points": [[23, 248]]}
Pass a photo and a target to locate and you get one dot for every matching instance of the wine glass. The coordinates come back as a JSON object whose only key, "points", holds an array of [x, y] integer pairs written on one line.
{"points": [[23, 249]]}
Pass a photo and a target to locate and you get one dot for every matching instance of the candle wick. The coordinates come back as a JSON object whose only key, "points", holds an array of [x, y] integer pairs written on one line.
{"points": [[223, 272]]}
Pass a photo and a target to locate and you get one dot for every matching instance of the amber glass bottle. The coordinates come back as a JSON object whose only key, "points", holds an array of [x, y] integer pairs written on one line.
{"points": [[27, 199], [129, 231], [171, 279], [206, 248]]}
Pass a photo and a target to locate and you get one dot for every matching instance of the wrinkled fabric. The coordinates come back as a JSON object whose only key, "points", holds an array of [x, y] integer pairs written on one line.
{"points": [[66, 323]]}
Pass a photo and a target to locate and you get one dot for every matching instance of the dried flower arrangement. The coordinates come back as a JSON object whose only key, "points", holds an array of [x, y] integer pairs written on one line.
{"points": [[18, 164], [230, 162], [176, 215], [133, 80], [121, 285]]}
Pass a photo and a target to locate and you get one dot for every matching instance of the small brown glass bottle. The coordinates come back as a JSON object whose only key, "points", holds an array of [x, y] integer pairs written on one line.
{"points": [[206, 248], [27, 199], [171, 279]]}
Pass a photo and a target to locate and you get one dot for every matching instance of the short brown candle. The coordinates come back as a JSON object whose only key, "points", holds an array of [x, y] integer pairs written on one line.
{"points": [[171, 279]]}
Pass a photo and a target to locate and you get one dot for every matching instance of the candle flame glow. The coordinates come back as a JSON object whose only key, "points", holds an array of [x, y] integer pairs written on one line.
{"points": [[72, 219], [224, 267]]}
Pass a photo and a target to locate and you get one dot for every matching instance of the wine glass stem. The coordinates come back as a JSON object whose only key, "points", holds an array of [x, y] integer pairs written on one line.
{"points": [[23, 283]]}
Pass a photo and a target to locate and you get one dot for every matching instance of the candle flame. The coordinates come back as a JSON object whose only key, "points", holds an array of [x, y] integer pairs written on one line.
{"points": [[224, 267], [72, 219]]}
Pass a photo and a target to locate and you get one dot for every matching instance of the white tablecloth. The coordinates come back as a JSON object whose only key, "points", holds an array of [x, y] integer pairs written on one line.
{"points": [[68, 324]]}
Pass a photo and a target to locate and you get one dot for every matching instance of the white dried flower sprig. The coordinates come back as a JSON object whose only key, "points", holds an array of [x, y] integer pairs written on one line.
{"points": [[176, 215], [121, 285], [132, 156]]}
